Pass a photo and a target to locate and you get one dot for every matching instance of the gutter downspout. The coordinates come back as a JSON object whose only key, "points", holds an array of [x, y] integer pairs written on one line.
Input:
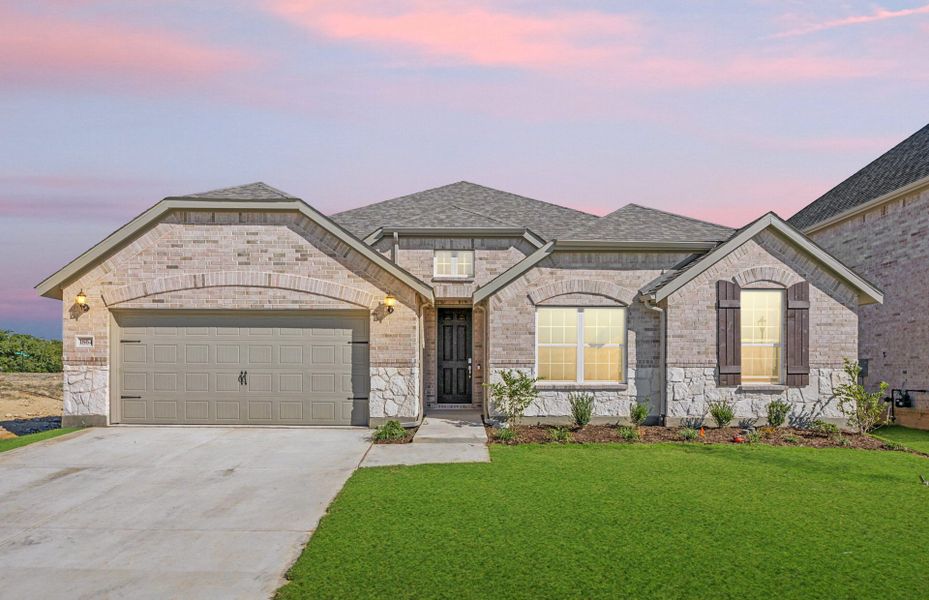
{"points": [[662, 360]]}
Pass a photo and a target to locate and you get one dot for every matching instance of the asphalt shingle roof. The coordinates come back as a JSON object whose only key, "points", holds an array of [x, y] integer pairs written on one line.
{"points": [[903, 164], [250, 191], [464, 204], [639, 224]]}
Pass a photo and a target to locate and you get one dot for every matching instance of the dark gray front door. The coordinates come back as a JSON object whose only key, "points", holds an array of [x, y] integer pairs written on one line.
{"points": [[454, 351]]}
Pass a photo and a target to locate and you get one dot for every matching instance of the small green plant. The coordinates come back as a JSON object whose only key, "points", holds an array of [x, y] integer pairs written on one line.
{"points": [[629, 434], [505, 435], [512, 395], [891, 445], [777, 412], [791, 439], [842, 440], [722, 412], [638, 412], [391, 430], [689, 434], [561, 435], [753, 437], [863, 409], [824, 428], [582, 408]]}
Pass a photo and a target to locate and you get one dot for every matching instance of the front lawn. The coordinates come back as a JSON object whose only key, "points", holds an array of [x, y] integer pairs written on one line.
{"points": [[25, 440], [914, 439], [611, 521]]}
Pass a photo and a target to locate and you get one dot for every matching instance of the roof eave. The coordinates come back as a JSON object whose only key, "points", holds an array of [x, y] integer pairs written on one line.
{"points": [[52, 286], [634, 245], [867, 293], [870, 204]]}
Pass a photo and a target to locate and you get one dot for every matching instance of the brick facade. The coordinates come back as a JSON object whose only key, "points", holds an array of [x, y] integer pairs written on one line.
{"points": [[241, 261], [767, 261], [889, 245]]}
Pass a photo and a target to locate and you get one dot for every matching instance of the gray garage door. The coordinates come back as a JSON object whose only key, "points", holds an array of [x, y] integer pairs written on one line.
{"points": [[236, 368]]}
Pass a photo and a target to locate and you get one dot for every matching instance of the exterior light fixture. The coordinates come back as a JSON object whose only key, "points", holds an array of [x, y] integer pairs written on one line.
{"points": [[82, 301], [390, 301]]}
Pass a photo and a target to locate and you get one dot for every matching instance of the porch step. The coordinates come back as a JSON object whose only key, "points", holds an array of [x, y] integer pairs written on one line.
{"points": [[435, 407], [451, 427]]}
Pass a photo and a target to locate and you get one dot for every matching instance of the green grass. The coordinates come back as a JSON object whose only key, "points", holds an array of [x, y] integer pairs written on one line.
{"points": [[25, 440], [914, 439], [613, 521]]}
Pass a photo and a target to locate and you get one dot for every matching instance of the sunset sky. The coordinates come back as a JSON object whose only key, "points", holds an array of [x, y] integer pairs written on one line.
{"points": [[720, 110]]}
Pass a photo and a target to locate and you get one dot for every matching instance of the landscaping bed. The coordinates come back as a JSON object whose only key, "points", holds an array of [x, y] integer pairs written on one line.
{"points": [[393, 432], [783, 436]]}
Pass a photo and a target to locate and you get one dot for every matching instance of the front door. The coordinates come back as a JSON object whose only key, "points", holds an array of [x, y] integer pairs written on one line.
{"points": [[454, 352]]}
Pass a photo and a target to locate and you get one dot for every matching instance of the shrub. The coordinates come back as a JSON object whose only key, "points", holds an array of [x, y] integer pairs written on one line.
{"points": [[824, 428], [689, 434], [582, 407], [722, 412], [506, 434], [767, 432], [22, 353], [562, 435], [862, 409], [791, 439], [777, 412], [753, 437], [638, 412], [891, 445], [630, 434], [391, 430], [842, 441], [513, 394]]}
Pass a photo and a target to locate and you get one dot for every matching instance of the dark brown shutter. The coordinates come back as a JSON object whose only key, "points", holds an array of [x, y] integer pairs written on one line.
{"points": [[798, 334], [729, 333]]}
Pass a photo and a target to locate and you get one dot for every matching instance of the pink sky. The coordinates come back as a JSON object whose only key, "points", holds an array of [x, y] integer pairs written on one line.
{"points": [[720, 111]]}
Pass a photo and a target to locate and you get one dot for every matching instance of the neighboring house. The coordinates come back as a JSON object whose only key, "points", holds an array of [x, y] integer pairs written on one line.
{"points": [[246, 305], [877, 223]]}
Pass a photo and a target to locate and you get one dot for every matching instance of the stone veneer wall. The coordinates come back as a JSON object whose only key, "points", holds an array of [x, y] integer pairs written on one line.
{"points": [[581, 279], [889, 245], [691, 348], [239, 260]]}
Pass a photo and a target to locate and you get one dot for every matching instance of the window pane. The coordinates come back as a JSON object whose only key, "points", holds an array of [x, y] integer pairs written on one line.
{"points": [[762, 315], [465, 264], [603, 326], [761, 364], [443, 263], [602, 364], [558, 326], [558, 363]]}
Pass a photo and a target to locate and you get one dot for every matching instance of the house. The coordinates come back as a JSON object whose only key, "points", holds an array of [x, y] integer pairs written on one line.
{"points": [[247, 306], [877, 222]]}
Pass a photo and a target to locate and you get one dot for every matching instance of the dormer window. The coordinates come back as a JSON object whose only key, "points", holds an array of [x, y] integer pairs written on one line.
{"points": [[454, 264]]}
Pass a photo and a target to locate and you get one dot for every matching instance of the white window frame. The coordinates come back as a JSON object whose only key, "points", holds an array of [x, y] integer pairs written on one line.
{"points": [[580, 345], [781, 346], [453, 260]]}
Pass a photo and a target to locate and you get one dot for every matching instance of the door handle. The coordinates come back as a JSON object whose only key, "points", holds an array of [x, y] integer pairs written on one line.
{"points": [[245, 377], [469, 368], [241, 377]]}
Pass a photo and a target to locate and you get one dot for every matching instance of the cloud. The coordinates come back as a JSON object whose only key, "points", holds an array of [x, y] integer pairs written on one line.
{"points": [[880, 14], [471, 34], [598, 47], [53, 50]]}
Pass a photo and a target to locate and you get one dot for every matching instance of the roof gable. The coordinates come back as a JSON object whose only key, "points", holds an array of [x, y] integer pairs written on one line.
{"points": [[904, 164], [668, 283], [249, 191], [52, 286], [634, 223], [464, 204]]}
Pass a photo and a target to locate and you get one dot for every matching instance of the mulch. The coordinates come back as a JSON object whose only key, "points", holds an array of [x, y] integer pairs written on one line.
{"points": [[784, 436]]}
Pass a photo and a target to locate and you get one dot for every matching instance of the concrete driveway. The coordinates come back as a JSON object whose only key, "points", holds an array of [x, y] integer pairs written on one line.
{"points": [[166, 512]]}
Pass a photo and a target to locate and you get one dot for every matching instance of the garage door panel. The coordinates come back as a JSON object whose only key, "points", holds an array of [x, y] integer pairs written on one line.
{"points": [[186, 368]]}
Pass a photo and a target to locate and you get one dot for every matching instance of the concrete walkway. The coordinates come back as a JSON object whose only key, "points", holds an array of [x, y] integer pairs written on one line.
{"points": [[443, 437], [166, 512]]}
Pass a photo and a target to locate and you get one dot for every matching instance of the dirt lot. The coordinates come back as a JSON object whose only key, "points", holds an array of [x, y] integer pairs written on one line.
{"points": [[29, 402]]}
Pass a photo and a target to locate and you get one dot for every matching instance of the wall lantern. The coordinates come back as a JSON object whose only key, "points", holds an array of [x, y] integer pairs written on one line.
{"points": [[390, 301], [82, 301]]}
